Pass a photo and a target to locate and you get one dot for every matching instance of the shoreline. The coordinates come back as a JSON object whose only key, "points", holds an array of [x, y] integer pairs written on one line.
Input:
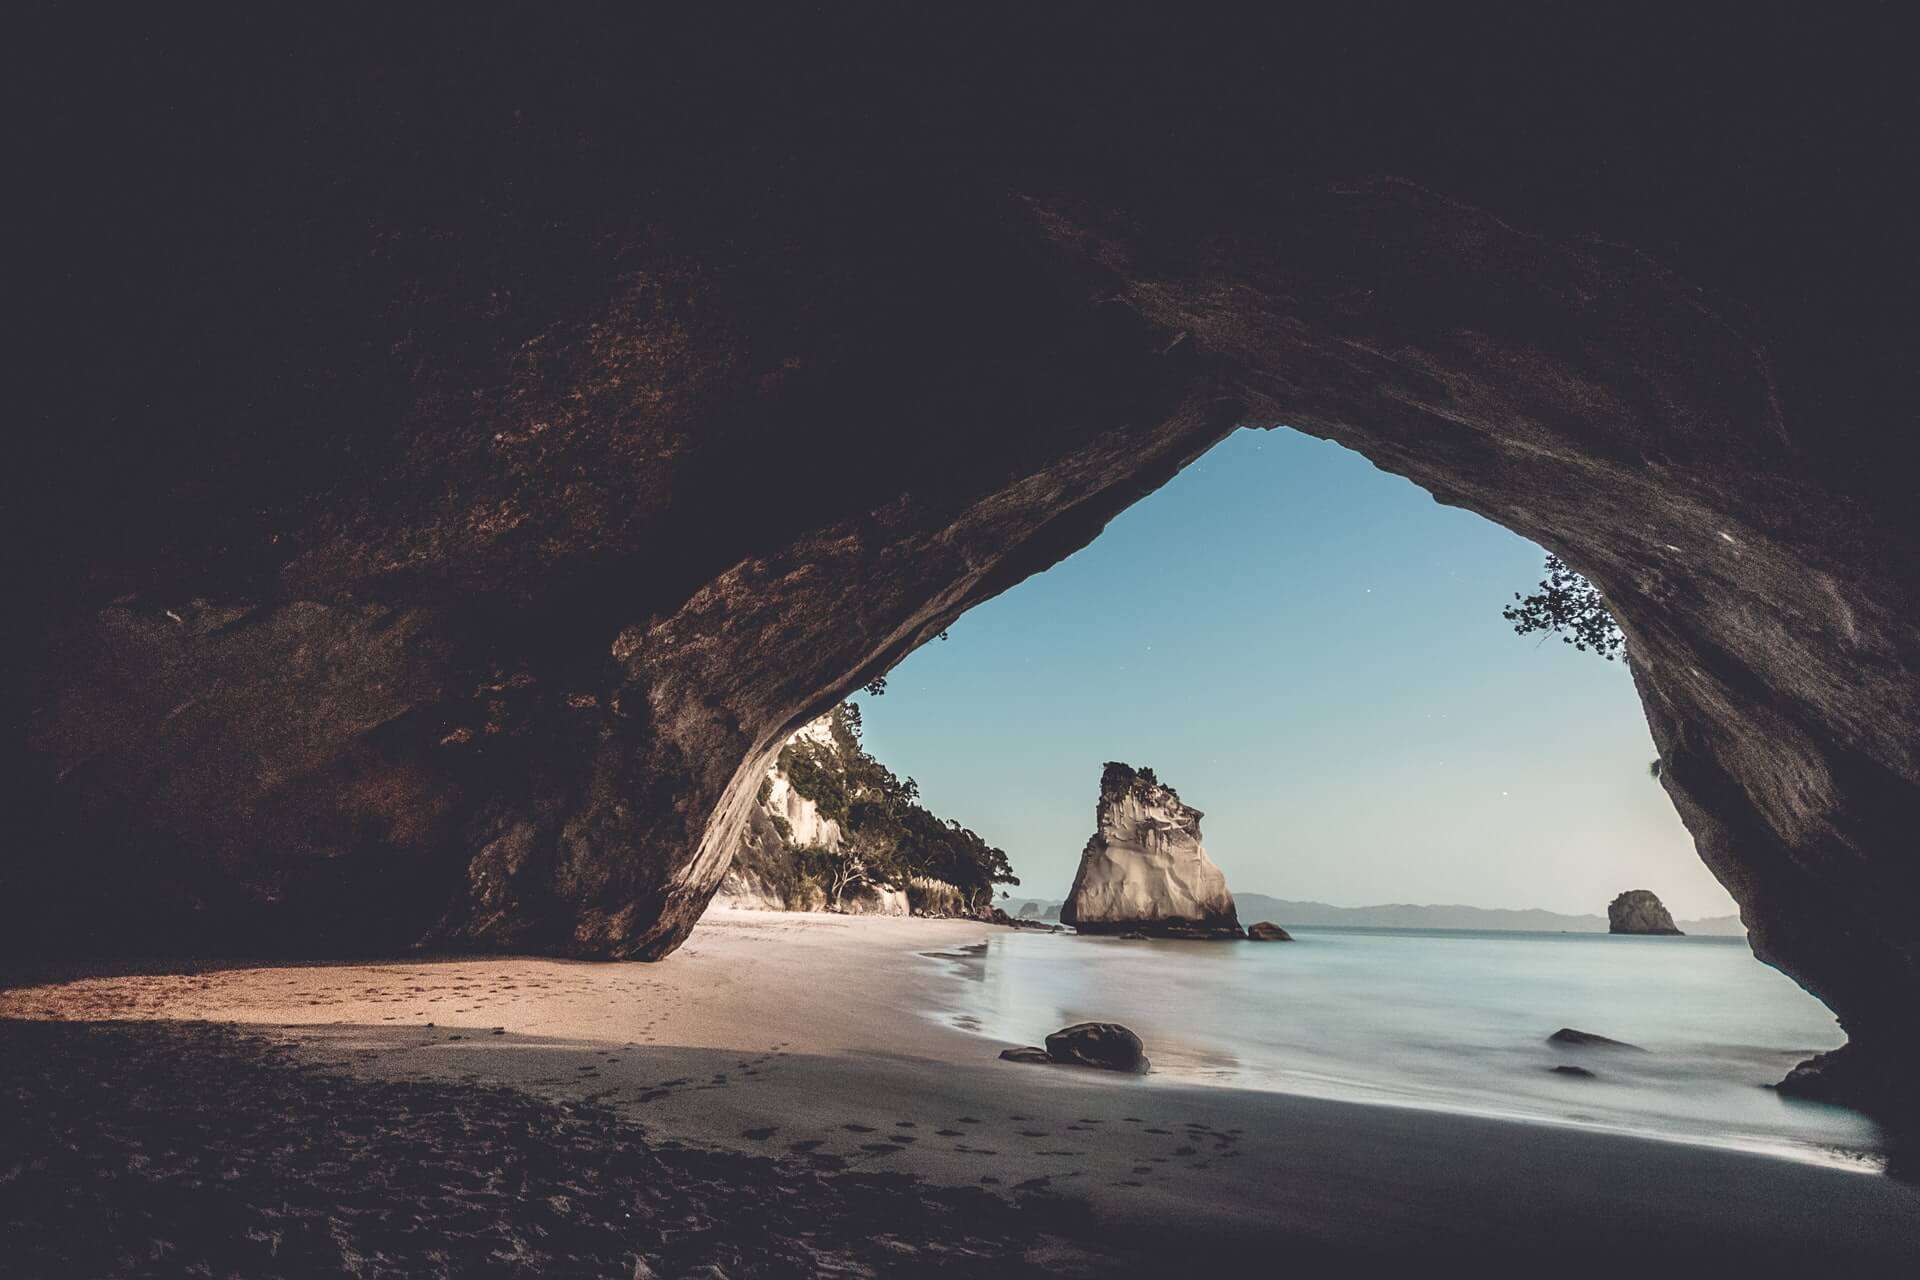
{"points": [[1180, 1066], [809, 1038]]}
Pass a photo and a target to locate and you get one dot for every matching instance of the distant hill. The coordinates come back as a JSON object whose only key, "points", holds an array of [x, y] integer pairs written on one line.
{"points": [[1402, 915]]}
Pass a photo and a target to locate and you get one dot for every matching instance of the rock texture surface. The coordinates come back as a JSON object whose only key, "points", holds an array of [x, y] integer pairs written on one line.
{"points": [[1568, 1038], [1640, 911], [1144, 869], [453, 459], [1267, 931], [1107, 1045], [762, 875]]}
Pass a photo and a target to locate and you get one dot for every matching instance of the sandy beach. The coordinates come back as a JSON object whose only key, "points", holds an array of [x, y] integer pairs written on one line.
{"points": [[807, 1039]]}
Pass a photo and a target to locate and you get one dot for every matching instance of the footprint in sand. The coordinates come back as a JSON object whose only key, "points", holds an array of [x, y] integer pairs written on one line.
{"points": [[1034, 1184], [1033, 1133], [881, 1148], [1167, 1132], [806, 1145], [858, 1128], [947, 1133], [759, 1135]]}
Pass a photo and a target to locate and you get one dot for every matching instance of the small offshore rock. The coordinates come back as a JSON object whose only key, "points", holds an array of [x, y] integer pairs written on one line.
{"points": [[1028, 1053], [1640, 911], [1581, 1072], [1267, 931], [1107, 1045], [1568, 1038]]}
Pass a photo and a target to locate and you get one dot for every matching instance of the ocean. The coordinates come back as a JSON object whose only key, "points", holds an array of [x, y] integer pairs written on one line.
{"points": [[1449, 1019]]}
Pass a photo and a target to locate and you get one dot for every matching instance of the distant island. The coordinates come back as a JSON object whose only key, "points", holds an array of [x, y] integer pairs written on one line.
{"points": [[1400, 915]]}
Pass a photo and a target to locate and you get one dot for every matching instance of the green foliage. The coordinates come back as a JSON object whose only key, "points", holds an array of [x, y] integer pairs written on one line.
{"points": [[1568, 605], [891, 836]]}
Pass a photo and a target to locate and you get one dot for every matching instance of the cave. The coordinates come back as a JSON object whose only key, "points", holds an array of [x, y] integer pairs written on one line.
{"points": [[453, 460]]}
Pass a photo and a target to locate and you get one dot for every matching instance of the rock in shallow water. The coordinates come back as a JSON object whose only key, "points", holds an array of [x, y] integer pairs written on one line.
{"points": [[1640, 911], [1568, 1038], [1098, 1044], [1144, 869], [1027, 1053], [1268, 931]]}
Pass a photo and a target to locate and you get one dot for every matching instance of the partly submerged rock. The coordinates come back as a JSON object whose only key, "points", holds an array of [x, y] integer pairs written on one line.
{"points": [[1098, 1044], [1579, 1072], [1639, 911], [1144, 868], [1879, 1084], [1568, 1038], [1268, 931], [1028, 1053]]}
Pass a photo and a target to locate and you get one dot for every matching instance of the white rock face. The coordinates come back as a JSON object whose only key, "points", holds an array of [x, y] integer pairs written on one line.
{"points": [[748, 884], [876, 900], [1145, 867], [802, 815]]}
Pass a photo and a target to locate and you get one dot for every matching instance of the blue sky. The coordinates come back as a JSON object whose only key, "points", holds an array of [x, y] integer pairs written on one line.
{"points": [[1311, 651]]}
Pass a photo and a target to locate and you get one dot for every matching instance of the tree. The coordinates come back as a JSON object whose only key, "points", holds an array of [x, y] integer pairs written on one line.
{"points": [[890, 837], [1568, 605]]}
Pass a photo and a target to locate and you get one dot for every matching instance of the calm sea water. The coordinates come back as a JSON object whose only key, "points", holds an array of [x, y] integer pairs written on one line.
{"points": [[1447, 1019]]}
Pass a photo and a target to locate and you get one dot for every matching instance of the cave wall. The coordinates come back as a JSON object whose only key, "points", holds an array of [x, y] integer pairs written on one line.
{"points": [[457, 457]]}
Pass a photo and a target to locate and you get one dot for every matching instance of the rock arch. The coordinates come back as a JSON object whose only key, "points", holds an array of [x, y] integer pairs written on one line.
{"points": [[479, 455]]}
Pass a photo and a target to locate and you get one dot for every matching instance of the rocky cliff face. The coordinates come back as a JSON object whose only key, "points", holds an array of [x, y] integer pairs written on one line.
{"points": [[453, 460], [1639, 911], [1144, 867], [764, 874]]}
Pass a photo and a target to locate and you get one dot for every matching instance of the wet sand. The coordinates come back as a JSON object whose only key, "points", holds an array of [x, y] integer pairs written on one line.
{"points": [[804, 1039]]}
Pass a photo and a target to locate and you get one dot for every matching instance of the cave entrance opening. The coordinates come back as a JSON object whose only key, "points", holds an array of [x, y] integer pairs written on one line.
{"points": [[1312, 650]]}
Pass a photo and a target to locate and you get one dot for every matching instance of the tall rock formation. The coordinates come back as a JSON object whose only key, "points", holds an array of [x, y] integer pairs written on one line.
{"points": [[1144, 867], [1639, 911]]}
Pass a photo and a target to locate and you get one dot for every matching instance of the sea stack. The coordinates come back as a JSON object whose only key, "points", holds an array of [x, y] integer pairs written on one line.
{"points": [[1144, 869], [1639, 911]]}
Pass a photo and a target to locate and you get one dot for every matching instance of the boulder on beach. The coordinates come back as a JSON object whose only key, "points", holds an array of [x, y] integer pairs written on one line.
{"points": [[1098, 1044], [1144, 869], [1568, 1038], [1028, 1053], [1640, 911], [1268, 931]]}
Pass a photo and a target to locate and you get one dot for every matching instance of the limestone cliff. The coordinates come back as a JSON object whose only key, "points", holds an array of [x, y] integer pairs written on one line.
{"points": [[1144, 867], [1639, 911], [784, 859]]}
